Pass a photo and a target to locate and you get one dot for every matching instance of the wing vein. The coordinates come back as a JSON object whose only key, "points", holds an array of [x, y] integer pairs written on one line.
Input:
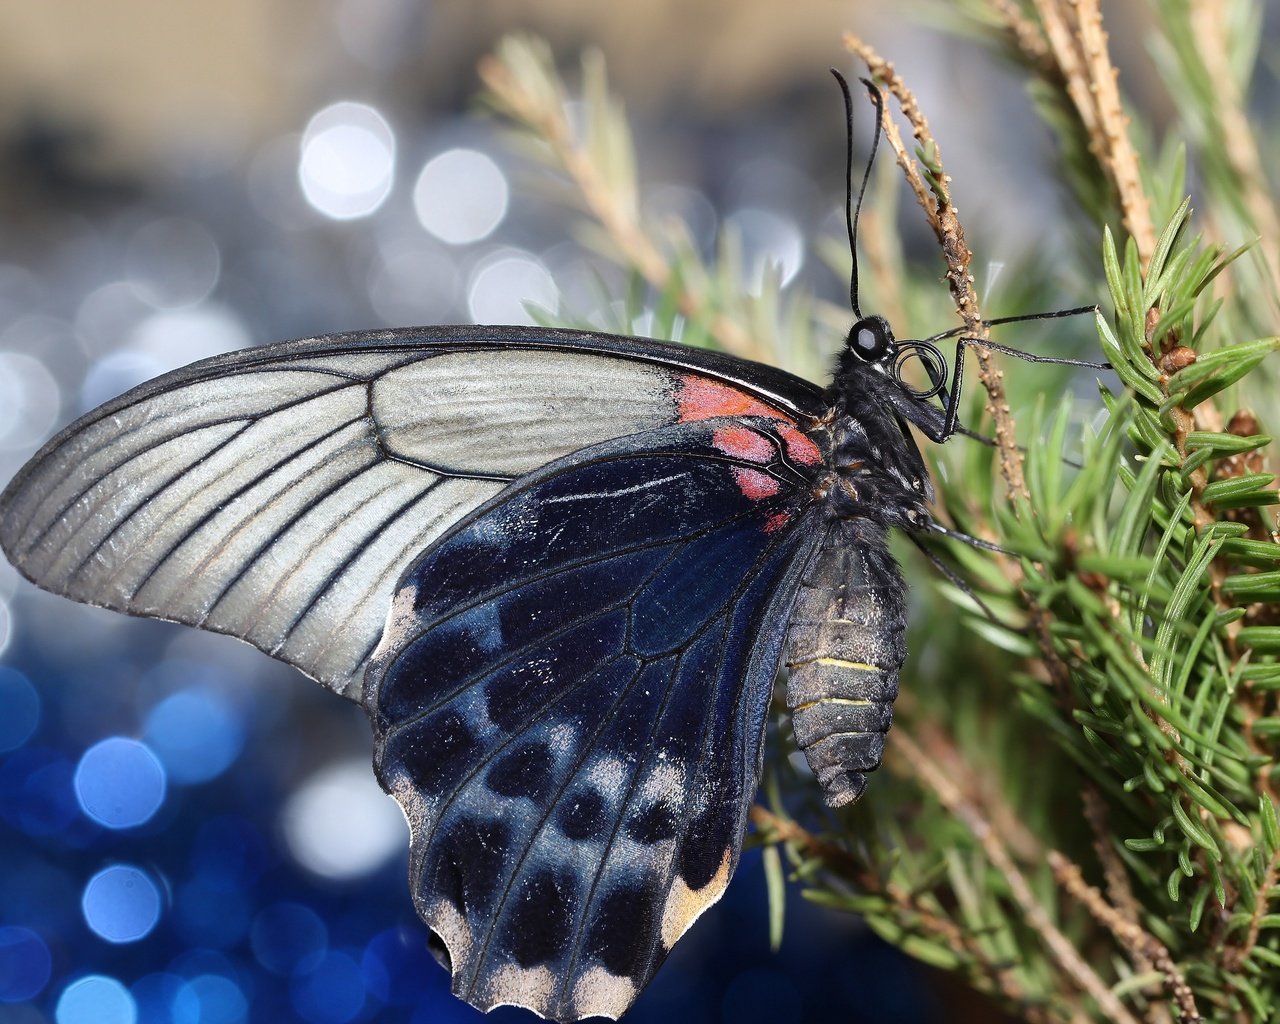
{"points": [[355, 553], [516, 652], [511, 738], [239, 492], [268, 543], [703, 743], [142, 503], [394, 565], [499, 592], [155, 444]]}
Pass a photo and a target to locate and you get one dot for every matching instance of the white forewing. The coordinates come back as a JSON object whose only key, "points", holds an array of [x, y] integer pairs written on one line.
{"points": [[278, 494], [456, 411]]}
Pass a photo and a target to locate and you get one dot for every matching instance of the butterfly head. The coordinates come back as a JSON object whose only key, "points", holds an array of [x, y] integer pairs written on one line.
{"points": [[871, 344]]}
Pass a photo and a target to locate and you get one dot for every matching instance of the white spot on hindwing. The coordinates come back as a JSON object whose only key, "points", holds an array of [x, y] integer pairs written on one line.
{"points": [[561, 737], [665, 781], [511, 985], [599, 992], [448, 923], [609, 775]]}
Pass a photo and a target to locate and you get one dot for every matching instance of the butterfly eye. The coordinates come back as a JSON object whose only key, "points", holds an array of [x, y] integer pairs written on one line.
{"points": [[871, 339]]}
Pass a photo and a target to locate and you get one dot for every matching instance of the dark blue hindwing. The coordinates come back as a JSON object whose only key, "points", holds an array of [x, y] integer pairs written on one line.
{"points": [[569, 703]]}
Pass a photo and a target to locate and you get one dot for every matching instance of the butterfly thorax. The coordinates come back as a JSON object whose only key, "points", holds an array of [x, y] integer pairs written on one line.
{"points": [[875, 470]]}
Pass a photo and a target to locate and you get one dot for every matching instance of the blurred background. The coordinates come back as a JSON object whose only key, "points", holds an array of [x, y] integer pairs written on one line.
{"points": [[189, 832]]}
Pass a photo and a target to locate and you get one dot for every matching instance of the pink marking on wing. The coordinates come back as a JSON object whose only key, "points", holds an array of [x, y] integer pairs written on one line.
{"points": [[703, 399], [754, 484], [799, 447], [743, 443], [776, 521]]}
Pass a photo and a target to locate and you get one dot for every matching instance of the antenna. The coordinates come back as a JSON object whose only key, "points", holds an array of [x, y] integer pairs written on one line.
{"points": [[926, 349], [1022, 318], [852, 210]]}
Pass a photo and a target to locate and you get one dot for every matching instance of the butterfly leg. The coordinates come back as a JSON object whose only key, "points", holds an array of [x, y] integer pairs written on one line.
{"points": [[952, 400]]}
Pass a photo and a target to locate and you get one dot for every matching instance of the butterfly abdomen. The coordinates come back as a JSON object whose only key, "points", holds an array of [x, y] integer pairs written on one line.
{"points": [[845, 645]]}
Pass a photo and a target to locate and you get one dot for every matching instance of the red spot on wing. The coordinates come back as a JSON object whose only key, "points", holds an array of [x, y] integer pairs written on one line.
{"points": [[799, 447], [776, 521], [754, 484], [743, 443], [703, 399]]}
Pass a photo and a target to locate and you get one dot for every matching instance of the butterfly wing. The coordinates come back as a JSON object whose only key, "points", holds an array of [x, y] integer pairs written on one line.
{"points": [[278, 494], [569, 704]]}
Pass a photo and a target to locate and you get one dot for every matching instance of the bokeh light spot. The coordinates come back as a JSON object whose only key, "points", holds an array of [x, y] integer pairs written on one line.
{"points": [[30, 401], [173, 338], [19, 708], [24, 964], [340, 824], [398, 967], [288, 937], [347, 164], [173, 261], [121, 903], [210, 999], [119, 783], [115, 374], [96, 999], [333, 993], [501, 287], [195, 735], [768, 240], [460, 196]]}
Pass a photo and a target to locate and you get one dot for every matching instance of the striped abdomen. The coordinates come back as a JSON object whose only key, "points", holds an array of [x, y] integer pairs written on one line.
{"points": [[845, 645]]}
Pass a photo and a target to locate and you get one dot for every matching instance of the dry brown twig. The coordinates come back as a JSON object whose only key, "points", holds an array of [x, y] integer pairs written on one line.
{"points": [[1116, 154], [1078, 45], [1056, 943], [1144, 945], [776, 829], [935, 199]]}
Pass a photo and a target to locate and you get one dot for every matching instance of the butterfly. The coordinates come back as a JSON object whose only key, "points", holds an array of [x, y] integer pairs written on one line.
{"points": [[559, 570]]}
